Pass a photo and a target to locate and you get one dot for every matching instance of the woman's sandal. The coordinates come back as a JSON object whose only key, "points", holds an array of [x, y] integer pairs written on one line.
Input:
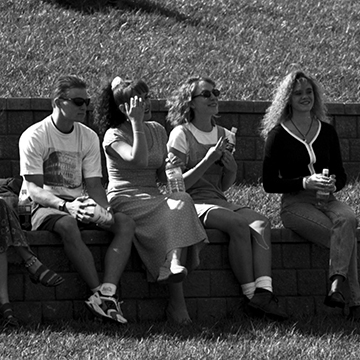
{"points": [[9, 318], [43, 275]]}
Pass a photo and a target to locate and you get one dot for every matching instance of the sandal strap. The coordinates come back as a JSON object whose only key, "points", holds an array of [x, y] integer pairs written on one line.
{"points": [[6, 308], [50, 277]]}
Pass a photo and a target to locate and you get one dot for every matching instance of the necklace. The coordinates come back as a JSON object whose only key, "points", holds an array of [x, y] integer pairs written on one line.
{"points": [[307, 133]]}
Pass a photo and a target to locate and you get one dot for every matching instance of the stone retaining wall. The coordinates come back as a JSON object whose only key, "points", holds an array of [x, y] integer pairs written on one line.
{"points": [[211, 291]]}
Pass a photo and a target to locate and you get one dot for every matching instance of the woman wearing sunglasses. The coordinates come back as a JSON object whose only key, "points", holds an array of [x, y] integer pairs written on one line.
{"points": [[199, 143], [167, 229]]}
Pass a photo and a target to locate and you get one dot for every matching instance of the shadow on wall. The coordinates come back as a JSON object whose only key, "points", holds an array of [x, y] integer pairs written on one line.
{"points": [[148, 6]]}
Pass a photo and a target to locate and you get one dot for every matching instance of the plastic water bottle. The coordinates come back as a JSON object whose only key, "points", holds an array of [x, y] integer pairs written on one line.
{"points": [[175, 180], [322, 196], [24, 210]]}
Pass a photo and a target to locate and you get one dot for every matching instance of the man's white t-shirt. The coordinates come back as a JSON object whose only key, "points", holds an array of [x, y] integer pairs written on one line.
{"points": [[64, 160]]}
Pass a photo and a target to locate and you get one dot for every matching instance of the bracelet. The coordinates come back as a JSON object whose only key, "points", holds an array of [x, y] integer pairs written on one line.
{"points": [[30, 262]]}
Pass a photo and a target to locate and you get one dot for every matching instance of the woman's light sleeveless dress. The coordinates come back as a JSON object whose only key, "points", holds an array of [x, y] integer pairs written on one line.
{"points": [[163, 222]]}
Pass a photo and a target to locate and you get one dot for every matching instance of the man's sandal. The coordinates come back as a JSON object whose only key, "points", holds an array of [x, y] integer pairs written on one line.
{"points": [[9, 318], [43, 275]]}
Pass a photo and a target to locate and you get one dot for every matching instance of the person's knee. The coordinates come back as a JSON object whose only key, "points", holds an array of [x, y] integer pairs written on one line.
{"points": [[124, 225], [238, 227], [67, 228]]}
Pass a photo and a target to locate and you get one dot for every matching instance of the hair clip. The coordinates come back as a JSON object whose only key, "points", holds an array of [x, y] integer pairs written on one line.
{"points": [[117, 80]]}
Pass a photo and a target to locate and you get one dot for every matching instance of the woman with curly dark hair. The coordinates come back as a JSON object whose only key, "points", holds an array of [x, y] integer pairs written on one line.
{"points": [[168, 234]]}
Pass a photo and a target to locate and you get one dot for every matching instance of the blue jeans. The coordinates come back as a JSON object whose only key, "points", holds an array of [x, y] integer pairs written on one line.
{"points": [[333, 227]]}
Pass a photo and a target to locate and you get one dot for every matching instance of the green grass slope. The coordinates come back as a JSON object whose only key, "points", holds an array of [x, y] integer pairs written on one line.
{"points": [[245, 45]]}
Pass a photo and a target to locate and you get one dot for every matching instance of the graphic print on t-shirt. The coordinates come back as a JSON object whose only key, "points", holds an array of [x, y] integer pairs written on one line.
{"points": [[63, 168]]}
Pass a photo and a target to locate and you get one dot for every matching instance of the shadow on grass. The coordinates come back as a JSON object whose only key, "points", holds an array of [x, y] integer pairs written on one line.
{"points": [[148, 6]]}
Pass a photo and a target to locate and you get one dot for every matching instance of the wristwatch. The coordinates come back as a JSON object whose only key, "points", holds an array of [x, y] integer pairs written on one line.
{"points": [[62, 206]]}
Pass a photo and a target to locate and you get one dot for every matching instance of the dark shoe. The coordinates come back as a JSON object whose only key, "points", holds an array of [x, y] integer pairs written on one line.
{"points": [[354, 313], [335, 299], [9, 318], [266, 303]]}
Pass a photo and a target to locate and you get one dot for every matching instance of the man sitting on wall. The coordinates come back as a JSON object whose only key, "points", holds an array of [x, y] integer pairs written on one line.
{"points": [[60, 162]]}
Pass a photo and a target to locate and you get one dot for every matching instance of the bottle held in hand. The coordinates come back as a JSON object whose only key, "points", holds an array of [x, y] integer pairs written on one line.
{"points": [[175, 180], [322, 196], [230, 144], [24, 210], [101, 216]]}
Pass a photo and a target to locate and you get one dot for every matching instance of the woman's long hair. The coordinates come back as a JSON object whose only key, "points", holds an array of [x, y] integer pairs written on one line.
{"points": [[180, 111], [280, 109], [115, 93]]}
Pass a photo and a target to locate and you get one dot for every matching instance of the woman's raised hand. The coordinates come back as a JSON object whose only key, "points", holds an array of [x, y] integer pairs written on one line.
{"points": [[135, 111]]}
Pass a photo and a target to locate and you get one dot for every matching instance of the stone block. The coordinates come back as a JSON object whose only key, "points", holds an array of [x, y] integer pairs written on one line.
{"points": [[319, 257], [198, 284], [223, 283], [296, 256], [54, 257], [129, 309], [284, 282], [336, 108], [28, 312], [38, 292], [19, 121], [246, 149], [57, 311], [151, 309], [9, 147], [211, 309], [16, 287], [211, 257], [73, 288], [352, 108], [252, 171], [346, 126], [41, 104], [259, 154], [345, 149], [18, 103], [5, 168], [276, 256], [299, 307], [3, 122], [311, 282], [249, 125], [354, 150], [134, 285]]}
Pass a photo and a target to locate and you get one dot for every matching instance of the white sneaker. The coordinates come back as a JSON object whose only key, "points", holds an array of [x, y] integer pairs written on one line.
{"points": [[106, 306]]}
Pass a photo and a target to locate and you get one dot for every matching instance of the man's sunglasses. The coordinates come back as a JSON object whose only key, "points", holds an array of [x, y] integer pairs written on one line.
{"points": [[77, 101], [207, 93]]}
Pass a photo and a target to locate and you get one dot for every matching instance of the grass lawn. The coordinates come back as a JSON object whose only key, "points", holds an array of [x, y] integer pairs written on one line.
{"points": [[244, 45], [320, 337]]}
